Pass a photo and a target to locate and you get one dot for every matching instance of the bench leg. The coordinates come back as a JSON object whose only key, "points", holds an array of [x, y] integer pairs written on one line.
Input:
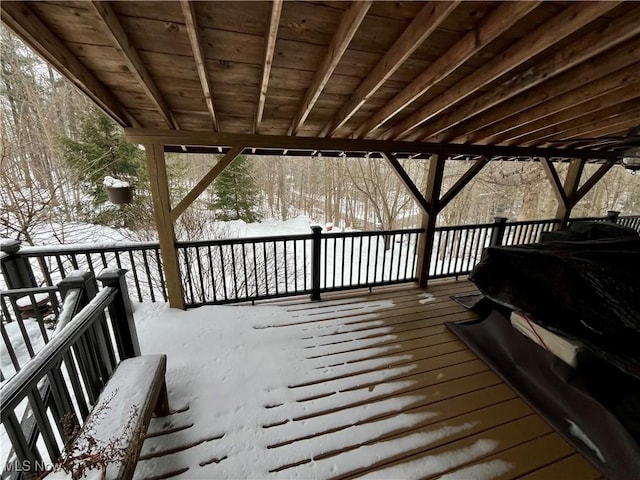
{"points": [[162, 405]]}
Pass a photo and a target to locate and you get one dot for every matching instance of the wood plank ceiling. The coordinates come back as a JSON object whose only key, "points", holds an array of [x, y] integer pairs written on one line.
{"points": [[489, 73]]}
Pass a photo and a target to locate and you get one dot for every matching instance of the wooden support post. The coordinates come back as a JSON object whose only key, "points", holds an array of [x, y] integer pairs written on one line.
{"points": [[571, 184], [432, 195], [162, 211]]}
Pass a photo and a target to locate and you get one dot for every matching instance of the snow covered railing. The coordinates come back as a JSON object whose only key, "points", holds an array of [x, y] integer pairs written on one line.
{"points": [[368, 259], [27, 314], [55, 390], [46, 265], [247, 269], [225, 271]]}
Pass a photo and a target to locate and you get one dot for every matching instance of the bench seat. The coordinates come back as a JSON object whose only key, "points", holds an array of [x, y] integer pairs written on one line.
{"points": [[122, 413]]}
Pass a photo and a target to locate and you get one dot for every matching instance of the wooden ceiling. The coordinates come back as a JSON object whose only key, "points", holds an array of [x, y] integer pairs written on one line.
{"points": [[486, 73]]}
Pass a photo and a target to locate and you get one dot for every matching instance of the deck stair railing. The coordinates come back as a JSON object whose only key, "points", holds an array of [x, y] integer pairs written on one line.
{"points": [[55, 390], [247, 269]]}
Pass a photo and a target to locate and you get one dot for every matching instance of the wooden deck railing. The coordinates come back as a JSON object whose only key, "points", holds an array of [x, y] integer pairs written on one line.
{"points": [[56, 389], [246, 269]]}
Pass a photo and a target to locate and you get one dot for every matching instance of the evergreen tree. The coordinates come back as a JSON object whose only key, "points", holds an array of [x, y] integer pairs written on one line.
{"points": [[102, 150], [237, 196]]}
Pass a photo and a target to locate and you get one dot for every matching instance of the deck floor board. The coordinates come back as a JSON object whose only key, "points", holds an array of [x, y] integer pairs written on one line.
{"points": [[368, 350]]}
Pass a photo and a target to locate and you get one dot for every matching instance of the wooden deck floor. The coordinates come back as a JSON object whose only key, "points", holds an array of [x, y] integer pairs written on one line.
{"points": [[432, 372]]}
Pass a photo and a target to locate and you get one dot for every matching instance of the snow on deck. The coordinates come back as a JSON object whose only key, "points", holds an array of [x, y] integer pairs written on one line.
{"points": [[370, 386]]}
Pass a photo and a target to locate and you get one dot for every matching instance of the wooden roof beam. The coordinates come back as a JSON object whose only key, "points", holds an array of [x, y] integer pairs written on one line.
{"points": [[422, 26], [201, 186], [619, 80], [614, 103], [190, 20], [566, 22], [349, 24], [591, 181], [132, 59], [462, 182], [404, 177], [269, 49], [205, 138], [581, 55], [19, 17], [500, 19], [556, 184]]}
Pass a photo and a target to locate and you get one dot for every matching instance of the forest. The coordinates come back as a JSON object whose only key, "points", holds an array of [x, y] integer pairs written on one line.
{"points": [[57, 147]]}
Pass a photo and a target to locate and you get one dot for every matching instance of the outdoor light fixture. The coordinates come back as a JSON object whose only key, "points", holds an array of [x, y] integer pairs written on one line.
{"points": [[631, 158]]}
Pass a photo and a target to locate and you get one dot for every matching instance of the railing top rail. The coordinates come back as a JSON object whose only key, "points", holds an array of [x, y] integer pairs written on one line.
{"points": [[26, 291], [42, 250], [16, 388], [533, 222], [372, 233], [629, 216], [583, 219], [237, 241]]}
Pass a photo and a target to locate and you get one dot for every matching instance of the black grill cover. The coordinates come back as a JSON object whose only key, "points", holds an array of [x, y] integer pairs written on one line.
{"points": [[589, 291]]}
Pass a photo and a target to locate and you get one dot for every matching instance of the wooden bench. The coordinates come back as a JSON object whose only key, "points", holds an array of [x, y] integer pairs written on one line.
{"points": [[112, 435]]}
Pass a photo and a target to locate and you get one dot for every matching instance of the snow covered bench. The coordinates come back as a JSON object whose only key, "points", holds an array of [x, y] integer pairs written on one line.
{"points": [[110, 440]]}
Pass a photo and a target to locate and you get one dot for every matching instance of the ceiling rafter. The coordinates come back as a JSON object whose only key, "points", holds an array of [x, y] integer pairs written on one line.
{"points": [[559, 129], [22, 20], [612, 103], [422, 26], [189, 14], [270, 45], [604, 126], [596, 69], [500, 19], [620, 79], [566, 22], [132, 59], [349, 24], [585, 48]]}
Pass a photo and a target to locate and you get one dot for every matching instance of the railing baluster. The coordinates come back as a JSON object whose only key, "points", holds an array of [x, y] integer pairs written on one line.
{"points": [[163, 285], [255, 268], [201, 275], [304, 264], [244, 269], [212, 273], [295, 264], [135, 276], [7, 342], [284, 256], [224, 275], [72, 364], [26, 455], [39, 412], [148, 272], [266, 272], [187, 265], [275, 267], [375, 265], [89, 262], [361, 239]]}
